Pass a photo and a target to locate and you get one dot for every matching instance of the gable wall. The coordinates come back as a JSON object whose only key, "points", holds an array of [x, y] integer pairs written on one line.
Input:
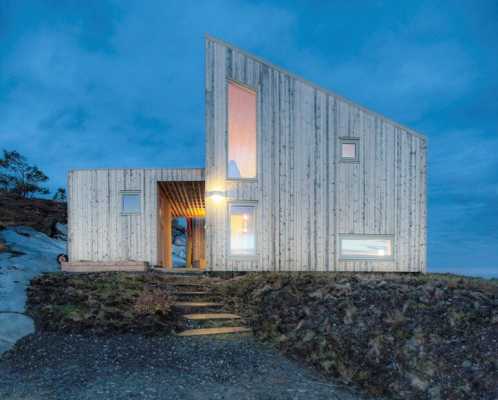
{"points": [[306, 197]]}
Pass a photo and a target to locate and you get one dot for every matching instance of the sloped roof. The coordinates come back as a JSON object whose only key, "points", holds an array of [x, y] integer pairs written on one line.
{"points": [[314, 85]]}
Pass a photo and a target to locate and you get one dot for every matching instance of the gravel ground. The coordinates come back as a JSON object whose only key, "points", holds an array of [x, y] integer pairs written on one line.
{"points": [[79, 367]]}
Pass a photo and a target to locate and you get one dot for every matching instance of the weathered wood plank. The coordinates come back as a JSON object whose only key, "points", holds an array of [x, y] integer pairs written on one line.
{"points": [[306, 196]]}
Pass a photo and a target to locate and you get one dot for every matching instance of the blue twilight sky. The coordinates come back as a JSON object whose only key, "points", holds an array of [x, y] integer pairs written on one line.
{"points": [[120, 84]]}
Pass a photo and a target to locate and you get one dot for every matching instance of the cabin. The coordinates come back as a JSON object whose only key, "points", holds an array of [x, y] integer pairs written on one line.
{"points": [[296, 178]]}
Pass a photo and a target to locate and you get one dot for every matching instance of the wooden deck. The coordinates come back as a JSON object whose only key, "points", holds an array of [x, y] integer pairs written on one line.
{"points": [[114, 266]]}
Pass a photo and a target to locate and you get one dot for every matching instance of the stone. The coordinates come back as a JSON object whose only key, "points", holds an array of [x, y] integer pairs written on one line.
{"points": [[12, 328], [400, 336], [418, 382]]}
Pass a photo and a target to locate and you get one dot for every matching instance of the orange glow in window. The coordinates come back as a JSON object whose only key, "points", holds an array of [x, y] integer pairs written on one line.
{"points": [[241, 132]]}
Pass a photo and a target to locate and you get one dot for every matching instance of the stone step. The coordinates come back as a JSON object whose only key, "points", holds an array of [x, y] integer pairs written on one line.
{"points": [[197, 304], [214, 331], [208, 316]]}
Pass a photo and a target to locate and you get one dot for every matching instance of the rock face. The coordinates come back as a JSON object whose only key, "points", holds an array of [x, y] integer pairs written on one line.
{"points": [[39, 214], [13, 327], [27, 253], [408, 337]]}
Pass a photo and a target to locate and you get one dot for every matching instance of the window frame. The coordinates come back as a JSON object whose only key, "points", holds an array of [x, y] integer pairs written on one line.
{"points": [[350, 140], [342, 257], [246, 203], [227, 133], [137, 193]]}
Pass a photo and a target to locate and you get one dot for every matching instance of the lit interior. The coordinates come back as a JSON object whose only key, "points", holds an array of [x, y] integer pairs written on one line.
{"points": [[349, 150], [242, 235], [241, 132], [366, 248]]}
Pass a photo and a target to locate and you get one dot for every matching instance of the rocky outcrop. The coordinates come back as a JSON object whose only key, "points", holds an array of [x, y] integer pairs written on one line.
{"points": [[27, 253], [39, 214], [407, 337]]}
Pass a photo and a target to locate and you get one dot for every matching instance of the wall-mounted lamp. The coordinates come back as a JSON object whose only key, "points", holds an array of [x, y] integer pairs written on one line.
{"points": [[216, 195]]}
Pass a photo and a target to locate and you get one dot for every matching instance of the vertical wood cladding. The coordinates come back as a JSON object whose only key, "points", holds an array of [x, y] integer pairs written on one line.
{"points": [[305, 195], [98, 231]]}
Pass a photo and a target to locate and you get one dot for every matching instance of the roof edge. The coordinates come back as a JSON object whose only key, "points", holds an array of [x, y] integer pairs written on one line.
{"points": [[314, 85], [135, 169]]}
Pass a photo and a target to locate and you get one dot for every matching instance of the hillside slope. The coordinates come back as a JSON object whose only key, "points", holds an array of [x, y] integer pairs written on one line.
{"points": [[32, 234], [413, 337], [39, 214]]}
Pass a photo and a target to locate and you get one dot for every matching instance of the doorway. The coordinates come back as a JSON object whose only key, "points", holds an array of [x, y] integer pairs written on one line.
{"points": [[181, 228]]}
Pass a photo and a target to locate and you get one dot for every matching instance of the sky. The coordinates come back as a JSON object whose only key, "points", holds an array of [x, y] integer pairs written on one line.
{"points": [[120, 84]]}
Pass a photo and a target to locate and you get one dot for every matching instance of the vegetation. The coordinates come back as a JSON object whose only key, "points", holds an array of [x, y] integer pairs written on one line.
{"points": [[60, 195], [404, 336], [20, 178], [102, 303]]}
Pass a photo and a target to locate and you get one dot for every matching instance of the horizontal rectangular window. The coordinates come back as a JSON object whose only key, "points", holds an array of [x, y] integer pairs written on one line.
{"points": [[365, 247], [241, 132], [130, 202], [242, 229], [349, 149]]}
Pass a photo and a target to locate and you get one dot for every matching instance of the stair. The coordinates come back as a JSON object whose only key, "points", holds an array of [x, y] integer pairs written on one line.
{"points": [[179, 271], [186, 284], [209, 316], [214, 331], [192, 295], [185, 304], [202, 312]]}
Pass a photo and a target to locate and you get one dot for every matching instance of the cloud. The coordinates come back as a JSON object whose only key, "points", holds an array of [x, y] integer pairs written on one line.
{"points": [[463, 193], [120, 84], [141, 91]]}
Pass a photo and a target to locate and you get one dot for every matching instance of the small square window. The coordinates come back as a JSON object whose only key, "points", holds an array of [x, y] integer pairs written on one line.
{"points": [[349, 150], [130, 203]]}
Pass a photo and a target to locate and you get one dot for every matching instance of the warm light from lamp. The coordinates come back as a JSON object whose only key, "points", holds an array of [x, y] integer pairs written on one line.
{"points": [[217, 196]]}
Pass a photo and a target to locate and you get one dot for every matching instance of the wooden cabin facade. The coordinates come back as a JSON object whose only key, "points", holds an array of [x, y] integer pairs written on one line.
{"points": [[296, 178]]}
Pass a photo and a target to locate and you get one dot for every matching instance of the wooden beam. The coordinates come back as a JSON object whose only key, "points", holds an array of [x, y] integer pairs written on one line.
{"points": [[186, 197], [168, 239], [188, 248]]}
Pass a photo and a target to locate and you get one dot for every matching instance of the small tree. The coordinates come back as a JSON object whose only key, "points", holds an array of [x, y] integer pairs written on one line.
{"points": [[60, 194], [17, 176]]}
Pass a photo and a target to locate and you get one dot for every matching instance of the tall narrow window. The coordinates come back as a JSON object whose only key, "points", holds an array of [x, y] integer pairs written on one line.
{"points": [[241, 132], [242, 229]]}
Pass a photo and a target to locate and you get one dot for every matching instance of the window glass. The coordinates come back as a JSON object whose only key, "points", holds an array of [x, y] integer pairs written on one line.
{"points": [[242, 230], [130, 203], [363, 247], [241, 132], [349, 150]]}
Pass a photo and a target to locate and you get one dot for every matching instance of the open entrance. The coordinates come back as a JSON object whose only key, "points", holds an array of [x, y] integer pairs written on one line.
{"points": [[181, 231]]}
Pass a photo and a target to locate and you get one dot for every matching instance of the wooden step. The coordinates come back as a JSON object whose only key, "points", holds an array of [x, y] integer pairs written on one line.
{"points": [[214, 331], [196, 304], [181, 284], [178, 271], [208, 316], [191, 293]]}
